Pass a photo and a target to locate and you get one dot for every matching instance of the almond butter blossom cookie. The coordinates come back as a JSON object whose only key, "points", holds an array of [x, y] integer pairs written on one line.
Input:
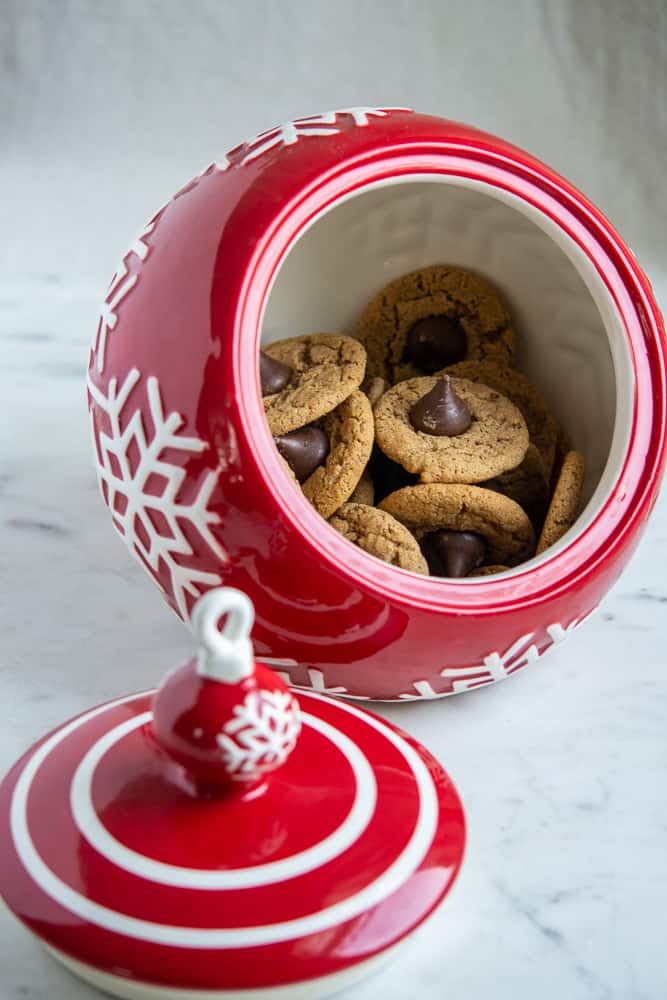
{"points": [[431, 508], [349, 430], [450, 430], [541, 423], [433, 317], [564, 504], [304, 378], [381, 535]]}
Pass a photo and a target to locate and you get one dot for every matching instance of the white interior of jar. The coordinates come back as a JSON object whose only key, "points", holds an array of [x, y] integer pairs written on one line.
{"points": [[569, 335]]}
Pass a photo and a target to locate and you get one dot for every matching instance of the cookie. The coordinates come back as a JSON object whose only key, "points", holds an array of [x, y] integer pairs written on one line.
{"points": [[325, 368], [374, 389], [379, 534], [495, 441], [350, 431], [562, 447], [476, 323], [542, 425], [526, 485], [562, 511], [429, 507], [364, 491], [488, 570]]}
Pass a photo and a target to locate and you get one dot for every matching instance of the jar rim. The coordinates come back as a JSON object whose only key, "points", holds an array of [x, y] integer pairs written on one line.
{"points": [[643, 452]]}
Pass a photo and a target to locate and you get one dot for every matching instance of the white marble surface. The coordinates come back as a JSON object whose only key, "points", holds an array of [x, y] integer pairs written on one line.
{"points": [[561, 769]]}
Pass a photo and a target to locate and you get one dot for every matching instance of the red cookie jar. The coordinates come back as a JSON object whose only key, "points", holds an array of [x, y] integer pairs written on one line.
{"points": [[293, 232]]}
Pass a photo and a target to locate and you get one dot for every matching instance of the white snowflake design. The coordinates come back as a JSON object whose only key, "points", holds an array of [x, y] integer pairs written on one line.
{"points": [[151, 524], [121, 285], [290, 132], [261, 734], [285, 134], [315, 677], [496, 666]]}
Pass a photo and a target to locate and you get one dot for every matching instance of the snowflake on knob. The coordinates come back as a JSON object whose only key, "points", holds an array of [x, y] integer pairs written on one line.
{"points": [[261, 734], [141, 488]]}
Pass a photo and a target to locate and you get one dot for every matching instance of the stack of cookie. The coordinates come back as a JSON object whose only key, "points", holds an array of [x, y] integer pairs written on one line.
{"points": [[449, 462], [320, 420]]}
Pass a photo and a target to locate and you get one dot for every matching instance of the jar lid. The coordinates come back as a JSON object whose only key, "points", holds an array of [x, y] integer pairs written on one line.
{"points": [[218, 835]]}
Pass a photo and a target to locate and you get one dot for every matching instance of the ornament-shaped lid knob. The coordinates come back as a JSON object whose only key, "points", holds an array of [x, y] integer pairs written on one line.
{"points": [[227, 720], [224, 654]]}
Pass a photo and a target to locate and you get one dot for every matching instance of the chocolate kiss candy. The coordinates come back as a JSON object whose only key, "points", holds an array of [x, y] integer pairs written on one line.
{"points": [[273, 375], [453, 553], [441, 412], [435, 342], [303, 450]]}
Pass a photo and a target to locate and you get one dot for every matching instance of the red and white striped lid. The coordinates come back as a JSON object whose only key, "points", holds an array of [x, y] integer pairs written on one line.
{"points": [[329, 836]]}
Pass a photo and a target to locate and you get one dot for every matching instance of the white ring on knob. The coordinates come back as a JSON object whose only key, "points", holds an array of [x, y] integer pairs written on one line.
{"points": [[224, 654]]}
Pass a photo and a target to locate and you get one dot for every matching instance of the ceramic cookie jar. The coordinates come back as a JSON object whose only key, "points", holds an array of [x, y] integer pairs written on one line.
{"points": [[224, 837], [292, 234]]}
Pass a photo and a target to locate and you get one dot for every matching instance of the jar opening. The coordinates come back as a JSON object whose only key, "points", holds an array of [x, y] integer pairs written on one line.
{"points": [[571, 338]]}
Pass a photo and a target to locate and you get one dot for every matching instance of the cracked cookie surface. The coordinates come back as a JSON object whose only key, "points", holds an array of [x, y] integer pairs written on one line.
{"points": [[496, 440], [326, 368], [381, 535], [441, 290], [428, 507]]}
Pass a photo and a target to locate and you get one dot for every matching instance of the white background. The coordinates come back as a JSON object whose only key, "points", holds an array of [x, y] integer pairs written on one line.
{"points": [[107, 108]]}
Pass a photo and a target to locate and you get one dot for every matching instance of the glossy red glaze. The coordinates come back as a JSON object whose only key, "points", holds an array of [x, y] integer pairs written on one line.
{"points": [[190, 711], [109, 858], [340, 619]]}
